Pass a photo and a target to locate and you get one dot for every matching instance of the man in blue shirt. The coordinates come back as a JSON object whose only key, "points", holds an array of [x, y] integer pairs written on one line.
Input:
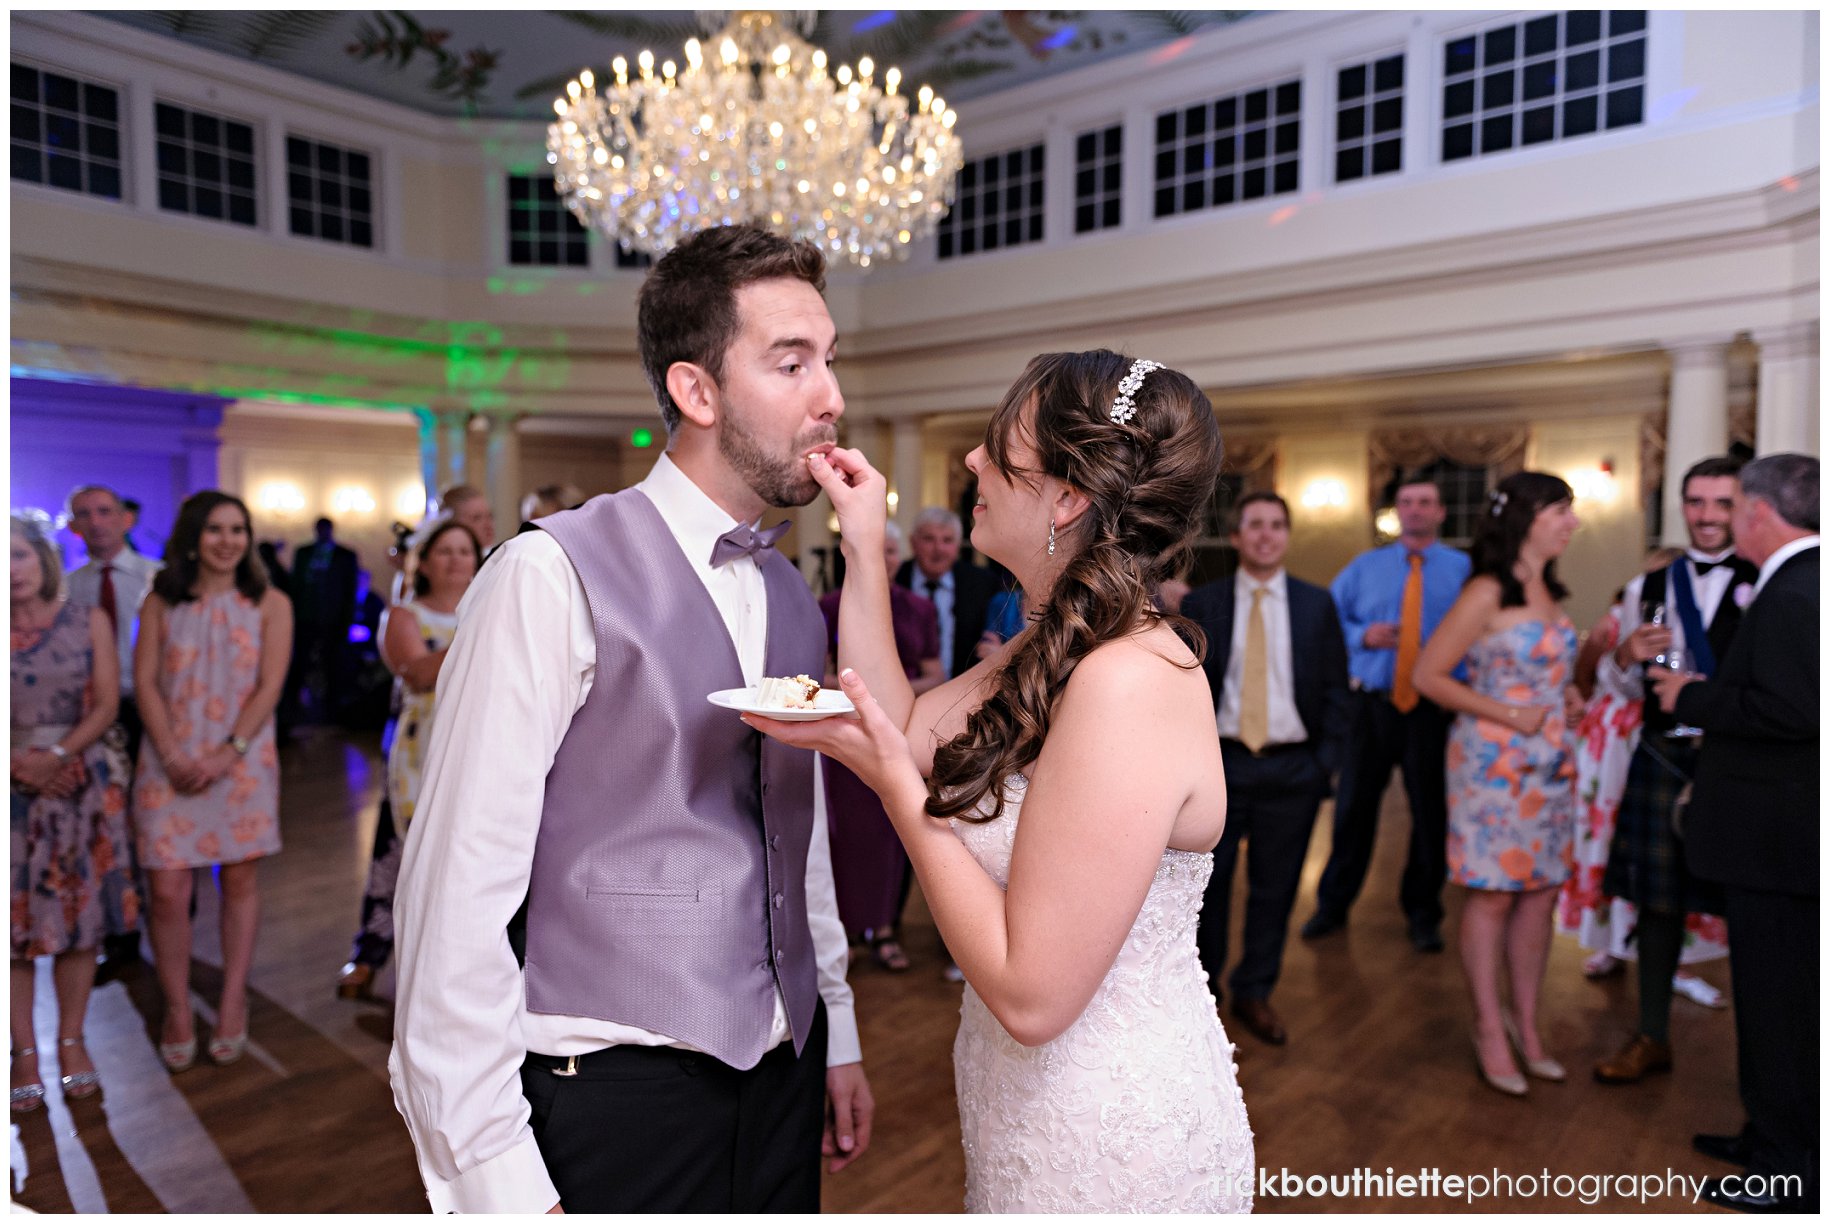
{"points": [[1391, 599]]}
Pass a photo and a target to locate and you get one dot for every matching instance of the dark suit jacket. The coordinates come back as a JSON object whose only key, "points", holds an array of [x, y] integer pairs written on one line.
{"points": [[1318, 658], [973, 589], [325, 596], [1753, 817]]}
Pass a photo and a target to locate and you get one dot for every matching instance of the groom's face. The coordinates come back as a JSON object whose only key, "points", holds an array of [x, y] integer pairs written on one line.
{"points": [[779, 397]]}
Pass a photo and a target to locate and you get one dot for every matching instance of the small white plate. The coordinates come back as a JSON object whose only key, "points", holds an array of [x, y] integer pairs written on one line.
{"points": [[826, 703]]}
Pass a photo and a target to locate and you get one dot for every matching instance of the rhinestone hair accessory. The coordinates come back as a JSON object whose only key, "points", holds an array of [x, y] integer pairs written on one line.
{"points": [[1124, 408], [1499, 502]]}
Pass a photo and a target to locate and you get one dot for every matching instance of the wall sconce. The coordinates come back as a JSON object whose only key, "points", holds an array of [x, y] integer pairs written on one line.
{"points": [[895, 500], [280, 497], [1385, 523], [832, 523], [352, 499], [1326, 493], [1596, 484], [411, 503]]}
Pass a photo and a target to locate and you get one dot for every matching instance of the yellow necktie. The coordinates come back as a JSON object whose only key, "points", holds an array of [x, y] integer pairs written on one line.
{"points": [[1255, 688], [1410, 637]]}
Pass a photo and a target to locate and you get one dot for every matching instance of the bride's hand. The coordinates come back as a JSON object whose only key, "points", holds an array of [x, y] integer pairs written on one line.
{"points": [[860, 496], [869, 745]]}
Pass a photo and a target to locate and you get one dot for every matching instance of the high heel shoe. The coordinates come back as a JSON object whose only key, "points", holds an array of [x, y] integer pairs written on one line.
{"points": [[82, 1083], [180, 1055], [225, 1050], [1543, 1068], [1511, 1085], [27, 1097]]}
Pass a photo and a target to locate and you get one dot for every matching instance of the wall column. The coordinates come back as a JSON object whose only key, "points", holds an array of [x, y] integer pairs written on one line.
{"points": [[1786, 414], [1696, 422], [905, 472], [502, 471]]}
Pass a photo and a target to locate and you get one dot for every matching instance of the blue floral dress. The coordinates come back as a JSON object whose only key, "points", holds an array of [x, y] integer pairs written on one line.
{"points": [[71, 877], [1512, 797]]}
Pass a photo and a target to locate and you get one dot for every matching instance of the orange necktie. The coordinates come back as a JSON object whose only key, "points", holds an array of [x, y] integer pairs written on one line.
{"points": [[1410, 637]]}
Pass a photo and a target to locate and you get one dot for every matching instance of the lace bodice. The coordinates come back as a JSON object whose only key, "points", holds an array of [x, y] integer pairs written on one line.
{"points": [[1136, 1106]]}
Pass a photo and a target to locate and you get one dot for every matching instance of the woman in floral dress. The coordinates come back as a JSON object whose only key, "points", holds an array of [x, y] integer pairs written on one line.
{"points": [[69, 849], [209, 667], [1511, 762]]}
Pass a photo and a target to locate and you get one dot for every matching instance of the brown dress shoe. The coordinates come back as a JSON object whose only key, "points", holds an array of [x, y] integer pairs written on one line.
{"points": [[356, 981], [1260, 1020], [1637, 1059]]}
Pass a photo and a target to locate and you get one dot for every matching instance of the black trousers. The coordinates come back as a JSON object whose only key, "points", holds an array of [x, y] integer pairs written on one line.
{"points": [[1773, 946], [1271, 803], [1383, 739], [656, 1129]]}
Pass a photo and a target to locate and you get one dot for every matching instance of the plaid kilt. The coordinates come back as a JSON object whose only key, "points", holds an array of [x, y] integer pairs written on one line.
{"points": [[1646, 860]]}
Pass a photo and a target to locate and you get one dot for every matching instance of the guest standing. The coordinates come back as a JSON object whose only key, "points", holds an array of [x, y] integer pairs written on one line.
{"points": [[69, 809], [211, 661], [1753, 827], [324, 588], [469, 505], [960, 591], [1277, 671], [115, 579], [1511, 761], [1391, 600], [870, 869], [1695, 596], [415, 637]]}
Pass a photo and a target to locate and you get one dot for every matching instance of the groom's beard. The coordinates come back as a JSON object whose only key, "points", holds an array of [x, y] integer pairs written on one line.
{"points": [[781, 481]]}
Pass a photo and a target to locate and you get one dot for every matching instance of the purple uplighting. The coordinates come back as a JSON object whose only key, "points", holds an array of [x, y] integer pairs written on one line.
{"points": [[873, 21]]}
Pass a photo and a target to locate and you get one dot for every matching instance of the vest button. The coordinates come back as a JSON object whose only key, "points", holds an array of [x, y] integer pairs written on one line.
{"points": [[778, 900], [778, 956], [775, 842]]}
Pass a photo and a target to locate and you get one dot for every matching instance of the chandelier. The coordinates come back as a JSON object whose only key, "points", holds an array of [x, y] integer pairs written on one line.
{"points": [[755, 129]]}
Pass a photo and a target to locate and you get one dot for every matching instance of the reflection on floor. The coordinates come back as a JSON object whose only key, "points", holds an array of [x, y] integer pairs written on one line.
{"points": [[1377, 1073]]}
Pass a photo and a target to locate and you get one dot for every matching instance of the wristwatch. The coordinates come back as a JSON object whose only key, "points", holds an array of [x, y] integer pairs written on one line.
{"points": [[238, 743], [59, 751]]}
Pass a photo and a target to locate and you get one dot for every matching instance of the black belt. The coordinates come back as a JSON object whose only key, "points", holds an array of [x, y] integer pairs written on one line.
{"points": [[1268, 750], [690, 1061]]}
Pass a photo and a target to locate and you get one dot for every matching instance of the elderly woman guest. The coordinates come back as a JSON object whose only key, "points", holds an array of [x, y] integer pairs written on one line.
{"points": [[209, 667], [870, 870], [69, 849], [1511, 761], [415, 636]]}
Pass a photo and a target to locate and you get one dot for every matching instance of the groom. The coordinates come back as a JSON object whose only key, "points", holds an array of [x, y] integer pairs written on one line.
{"points": [[621, 965]]}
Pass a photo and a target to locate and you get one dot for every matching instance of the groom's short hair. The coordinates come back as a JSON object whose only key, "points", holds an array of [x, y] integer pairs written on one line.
{"points": [[688, 306]]}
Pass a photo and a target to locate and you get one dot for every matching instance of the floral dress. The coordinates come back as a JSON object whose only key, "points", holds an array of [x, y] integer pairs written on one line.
{"points": [[1512, 797], [210, 667], [71, 877], [407, 755], [1605, 741]]}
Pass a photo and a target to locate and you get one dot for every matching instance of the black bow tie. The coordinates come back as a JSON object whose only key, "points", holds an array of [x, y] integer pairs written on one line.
{"points": [[741, 541], [1703, 567]]}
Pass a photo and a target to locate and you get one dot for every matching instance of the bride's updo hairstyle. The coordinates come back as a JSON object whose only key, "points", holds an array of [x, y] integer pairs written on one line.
{"points": [[1147, 480]]}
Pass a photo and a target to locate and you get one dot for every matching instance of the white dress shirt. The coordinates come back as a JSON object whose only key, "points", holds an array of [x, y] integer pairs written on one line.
{"points": [[1780, 556], [1710, 589], [941, 596], [1284, 724], [133, 575], [519, 669]]}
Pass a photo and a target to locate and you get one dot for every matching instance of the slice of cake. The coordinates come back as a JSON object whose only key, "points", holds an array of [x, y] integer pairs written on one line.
{"points": [[787, 692]]}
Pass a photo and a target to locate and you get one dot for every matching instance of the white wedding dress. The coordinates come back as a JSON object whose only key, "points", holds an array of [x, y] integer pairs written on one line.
{"points": [[1135, 1108]]}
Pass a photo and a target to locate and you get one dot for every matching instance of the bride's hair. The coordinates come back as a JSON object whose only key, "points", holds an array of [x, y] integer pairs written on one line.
{"points": [[1146, 481]]}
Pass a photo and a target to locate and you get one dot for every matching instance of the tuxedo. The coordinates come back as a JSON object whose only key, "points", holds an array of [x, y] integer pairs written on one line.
{"points": [[1753, 826], [324, 607], [1273, 794], [973, 590]]}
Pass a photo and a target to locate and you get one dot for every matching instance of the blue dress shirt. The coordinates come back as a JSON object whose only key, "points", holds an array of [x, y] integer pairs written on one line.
{"points": [[1371, 590]]}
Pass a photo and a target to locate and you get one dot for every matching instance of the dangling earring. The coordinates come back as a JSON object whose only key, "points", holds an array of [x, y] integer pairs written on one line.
{"points": [[1051, 537]]}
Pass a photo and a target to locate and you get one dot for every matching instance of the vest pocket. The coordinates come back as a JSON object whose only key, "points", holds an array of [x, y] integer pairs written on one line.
{"points": [[655, 896]]}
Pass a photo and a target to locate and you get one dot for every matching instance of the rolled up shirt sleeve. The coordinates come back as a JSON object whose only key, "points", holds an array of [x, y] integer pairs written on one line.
{"points": [[507, 692]]}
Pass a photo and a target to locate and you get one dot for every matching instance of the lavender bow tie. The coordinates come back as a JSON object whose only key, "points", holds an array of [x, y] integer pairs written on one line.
{"points": [[741, 541]]}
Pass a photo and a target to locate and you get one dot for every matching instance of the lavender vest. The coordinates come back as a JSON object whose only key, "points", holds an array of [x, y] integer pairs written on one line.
{"points": [[669, 880]]}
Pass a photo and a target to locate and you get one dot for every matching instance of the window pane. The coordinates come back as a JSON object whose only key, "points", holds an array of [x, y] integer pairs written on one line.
{"points": [[1388, 74], [1624, 106], [1387, 156], [1627, 60], [1347, 164], [1351, 83]]}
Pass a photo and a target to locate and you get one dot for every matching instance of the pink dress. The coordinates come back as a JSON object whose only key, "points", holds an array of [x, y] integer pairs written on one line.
{"points": [[211, 666]]}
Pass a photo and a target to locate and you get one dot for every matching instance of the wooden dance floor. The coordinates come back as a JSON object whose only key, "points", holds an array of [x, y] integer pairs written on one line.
{"points": [[1379, 1074]]}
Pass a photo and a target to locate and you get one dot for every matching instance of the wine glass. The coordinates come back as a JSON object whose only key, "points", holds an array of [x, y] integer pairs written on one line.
{"points": [[1659, 617], [1673, 660]]}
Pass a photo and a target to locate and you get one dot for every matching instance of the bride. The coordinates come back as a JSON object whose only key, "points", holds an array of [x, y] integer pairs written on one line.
{"points": [[1091, 1067]]}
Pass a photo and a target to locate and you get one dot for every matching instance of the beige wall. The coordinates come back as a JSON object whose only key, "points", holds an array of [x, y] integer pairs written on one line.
{"points": [[1610, 545]]}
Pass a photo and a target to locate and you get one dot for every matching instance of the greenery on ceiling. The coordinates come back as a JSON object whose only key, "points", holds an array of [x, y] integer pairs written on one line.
{"points": [[938, 48]]}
